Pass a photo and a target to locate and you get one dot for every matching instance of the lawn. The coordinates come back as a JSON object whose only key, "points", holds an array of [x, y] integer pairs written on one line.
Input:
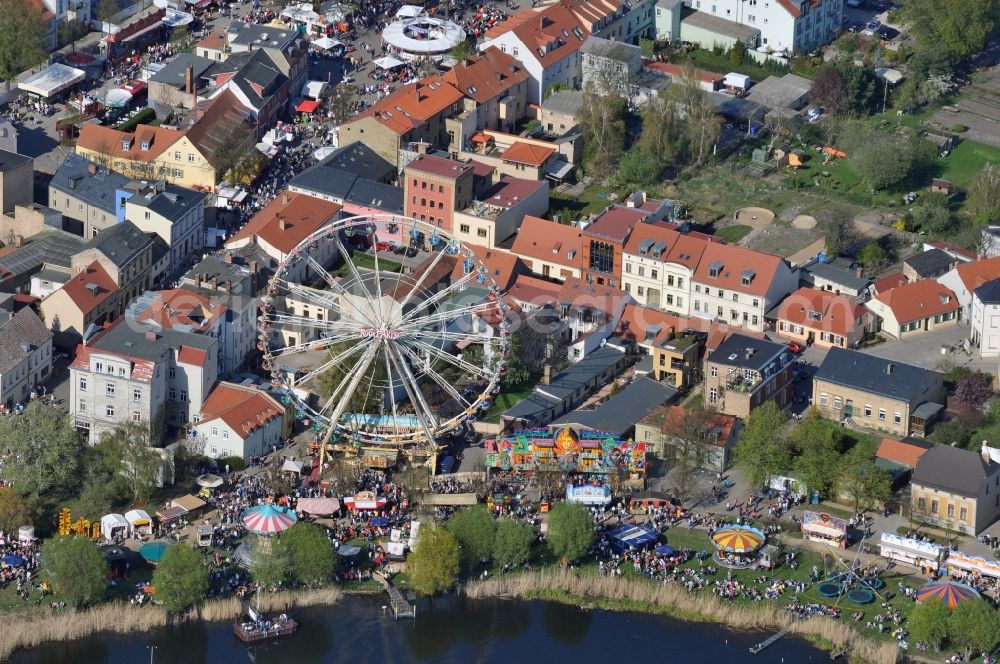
{"points": [[367, 261], [593, 200], [733, 234], [508, 397], [720, 64], [966, 160]]}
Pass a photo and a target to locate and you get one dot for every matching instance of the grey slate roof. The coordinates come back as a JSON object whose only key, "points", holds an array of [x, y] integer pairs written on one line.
{"points": [[96, 190], [763, 352], [24, 328], [533, 408], [566, 102], [953, 469], [9, 160], [868, 373], [593, 364], [606, 48], [49, 246], [839, 275], [931, 262], [120, 243], [361, 160], [619, 413], [129, 337], [352, 174], [989, 293], [261, 35], [174, 72], [169, 201]]}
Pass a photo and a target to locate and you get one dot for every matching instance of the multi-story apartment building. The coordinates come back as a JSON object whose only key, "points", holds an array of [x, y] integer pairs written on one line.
{"points": [[25, 356], [902, 399], [549, 248], [434, 188], [659, 265], [241, 420], [744, 372], [956, 488], [125, 253], [89, 194], [176, 214], [137, 371]]}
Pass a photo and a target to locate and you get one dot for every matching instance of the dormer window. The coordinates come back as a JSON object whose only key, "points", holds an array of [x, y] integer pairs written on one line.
{"points": [[144, 146], [472, 89], [126, 143], [746, 277], [715, 269]]}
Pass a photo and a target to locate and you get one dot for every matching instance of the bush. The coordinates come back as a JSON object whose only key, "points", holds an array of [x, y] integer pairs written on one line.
{"points": [[235, 463], [145, 116], [959, 128]]}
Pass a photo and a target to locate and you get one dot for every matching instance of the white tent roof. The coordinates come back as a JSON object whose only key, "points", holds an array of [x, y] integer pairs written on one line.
{"points": [[313, 89], [292, 466], [326, 43], [893, 76], [52, 80], [117, 98], [409, 11], [109, 521], [137, 515], [387, 62], [437, 35]]}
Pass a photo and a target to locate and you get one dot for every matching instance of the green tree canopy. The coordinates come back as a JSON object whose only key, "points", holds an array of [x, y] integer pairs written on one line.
{"points": [[311, 553], [602, 121], [929, 623], [873, 256], [975, 626], [512, 545], [861, 481], [76, 568], [269, 567], [127, 454], [761, 450], [817, 452], [881, 159], [22, 29], [433, 564], [181, 579], [16, 510], [571, 531], [958, 29], [40, 453], [475, 530]]}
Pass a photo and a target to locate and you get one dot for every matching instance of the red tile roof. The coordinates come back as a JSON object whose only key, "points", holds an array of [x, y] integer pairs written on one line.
{"points": [[535, 291], [90, 287], [918, 300], [521, 152], [184, 307], [977, 273], [215, 41], [615, 223], [551, 34], [838, 312], [286, 221], [503, 266], [487, 76], [790, 7], [735, 262], [889, 282], [509, 191], [193, 356], [412, 105], [580, 295], [549, 241], [439, 166], [243, 409], [679, 71], [108, 142], [955, 249], [675, 418], [902, 452]]}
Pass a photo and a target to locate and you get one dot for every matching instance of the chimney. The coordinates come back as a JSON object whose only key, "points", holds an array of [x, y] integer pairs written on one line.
{"points": [[92, 169], [197, 280], [189, 79], [19, 241], [284, 198], [215, 283], [253, 278], [228, 258], [888, 368], [859, 272], [151, 335], [253, 267], [282, 224], [547, 374]]}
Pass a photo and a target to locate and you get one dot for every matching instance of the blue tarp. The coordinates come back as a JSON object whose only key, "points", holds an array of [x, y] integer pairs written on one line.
{"points": [[665, 550], [632, 537]]}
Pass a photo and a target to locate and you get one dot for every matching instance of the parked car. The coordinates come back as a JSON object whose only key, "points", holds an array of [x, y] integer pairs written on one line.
{"points": [[887, 33], [871, 27], [854, 27], [814, 113], [795, 347]]}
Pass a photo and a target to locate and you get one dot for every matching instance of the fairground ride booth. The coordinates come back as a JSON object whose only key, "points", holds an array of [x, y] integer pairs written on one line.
{"points": [[925, 556], [588, 494], [968, 569], [824, 528], [630, 537]]}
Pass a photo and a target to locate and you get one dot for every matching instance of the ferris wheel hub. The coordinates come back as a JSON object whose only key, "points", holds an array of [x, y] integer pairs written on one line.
{"points": [[382, 333]]}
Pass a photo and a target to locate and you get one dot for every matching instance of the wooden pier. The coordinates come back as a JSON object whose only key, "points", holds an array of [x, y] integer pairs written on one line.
{"points": [[763, 644], [400, 607]]}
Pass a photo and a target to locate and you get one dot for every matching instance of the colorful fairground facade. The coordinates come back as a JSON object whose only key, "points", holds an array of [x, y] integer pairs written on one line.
{"points": [[597, 454]]}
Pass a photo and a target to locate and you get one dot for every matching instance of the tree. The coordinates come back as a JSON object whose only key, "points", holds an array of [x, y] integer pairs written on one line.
{"points": [[975, 625], [269, 566], [973, 390], [77, 569], [127, 453], [761, 450], [461, 51], [880, 159], [40, 453], [928, 622], [236, 146], [70, 30], [433, 564], [738, 53], [310, 552], [873, 256], [602, 122], [16, 510], [861, 481], [958, 29], [181, 578], [934, 218], [818, 454], [661, 128], [702, 125], [107, 12], [638, 167], [475, 530], [689, 439], [340, 101], [517, 372], [838, 230], [571, 531], [21, 33], [512, 545], [984, 194], [829, 89]]}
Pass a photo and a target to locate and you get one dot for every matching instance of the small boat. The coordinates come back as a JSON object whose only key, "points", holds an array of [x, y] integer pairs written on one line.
{"points": [[254, 626]]}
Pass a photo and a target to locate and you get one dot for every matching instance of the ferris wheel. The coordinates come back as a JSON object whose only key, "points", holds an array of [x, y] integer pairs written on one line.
{"points": [[396, 354]]}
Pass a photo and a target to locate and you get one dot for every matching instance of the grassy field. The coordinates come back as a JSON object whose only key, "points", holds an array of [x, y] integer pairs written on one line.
{"points": [[367, 261], [593, 200], [966, 160], [507, 398], [733, 234]]}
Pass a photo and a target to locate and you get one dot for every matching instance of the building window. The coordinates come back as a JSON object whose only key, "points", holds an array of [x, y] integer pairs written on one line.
{"points": [[868, 410], [191, 157], [823, 400], [109, 410], [225, 434], [653, 274], [881, 414], [921, 504], [463, 228], [837, 403], [951, 511], [173, 393], [109, 389], [121, 370], [136, 416], [83, 384], [481, 232], [934, 507], [963, 514], [713, 395], [215, 431], [99, 367], [137, 396], [896, 417], [83, 405], [184, 396], [172, 372], [628, 268], [714, 371]]}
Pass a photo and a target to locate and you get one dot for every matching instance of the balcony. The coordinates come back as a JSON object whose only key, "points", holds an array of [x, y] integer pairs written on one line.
{"points": [[744, 384]]}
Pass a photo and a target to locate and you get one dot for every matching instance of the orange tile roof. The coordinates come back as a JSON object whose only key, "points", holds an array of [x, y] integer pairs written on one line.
{"points": [[503, 266], [413, 104], [107, 141], [549, 241], [906, 453], [217, 120], [889, 282], [242, 409], [439, 166], [487, 76], [535, 291], [183, 307], [735, 261], [643, 232], [551, 34], [596, 297], [955, 249], [284, 224], [838, 312], [977, 273], [637, 319], [101, 287], [918, 300], [791, 8], [193, 356], [215, 41], [142, 369], [521, 152]]}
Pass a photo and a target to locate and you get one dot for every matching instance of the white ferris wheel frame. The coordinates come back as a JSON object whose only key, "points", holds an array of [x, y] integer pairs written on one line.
{"points": [[405, 340]]}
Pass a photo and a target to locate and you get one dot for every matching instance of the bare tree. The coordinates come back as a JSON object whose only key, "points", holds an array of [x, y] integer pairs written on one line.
{"points": [[689, 436], [984, 194]]}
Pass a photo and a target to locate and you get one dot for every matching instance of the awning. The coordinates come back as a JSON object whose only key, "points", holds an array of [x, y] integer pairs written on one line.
{"points": [[188, 502], [52, 80], [387, 62], [559, 169], [292, 466], [318, 506], [453, 499], [170, 513], [325, 43], [199, 4], [480, 137], [889, 75], [133, 87], [409, 11], [307, 106]]}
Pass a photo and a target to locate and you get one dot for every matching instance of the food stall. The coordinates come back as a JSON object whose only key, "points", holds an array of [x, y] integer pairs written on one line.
{"points": [[628, 537], [205, 533], [139, 522], [968, 568], [52, 81], [588, 494], [824, 528], [113, 526], [926, 556]]}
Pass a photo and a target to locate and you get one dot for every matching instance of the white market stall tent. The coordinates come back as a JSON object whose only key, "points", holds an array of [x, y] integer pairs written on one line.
{"points": [[52, 80], [113, 526], [140, 522]]}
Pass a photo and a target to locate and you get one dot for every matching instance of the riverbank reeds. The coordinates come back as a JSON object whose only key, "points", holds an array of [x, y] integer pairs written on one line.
{"points": [[616, 593], [118, 618]]}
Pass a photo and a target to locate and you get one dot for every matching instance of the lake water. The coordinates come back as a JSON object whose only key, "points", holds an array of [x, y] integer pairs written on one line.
{"points": [[450, 630]]}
